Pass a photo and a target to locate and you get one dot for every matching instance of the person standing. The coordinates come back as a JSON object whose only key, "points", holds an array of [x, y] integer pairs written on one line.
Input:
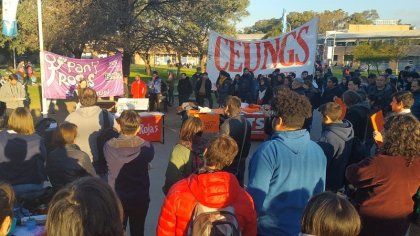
{"points": [[184, 89], [13, 94], [336, 141], [246, 86], [415, 89], [383, 92], [138, 87], [128, 157], [203, 90], [195, 78], [211, 187], [224, 87], [171, 87], [239, 128], [154, 92], [287, 170], [89, 119]]}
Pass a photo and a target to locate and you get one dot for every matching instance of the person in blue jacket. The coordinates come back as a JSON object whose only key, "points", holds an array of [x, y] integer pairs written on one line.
{"points": [[287, 170]]}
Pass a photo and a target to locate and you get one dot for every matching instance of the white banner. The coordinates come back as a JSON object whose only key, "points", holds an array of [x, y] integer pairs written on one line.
{"points": [[9, 17], [293, 51]]}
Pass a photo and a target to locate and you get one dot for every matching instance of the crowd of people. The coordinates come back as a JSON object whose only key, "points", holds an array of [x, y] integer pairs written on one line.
{"points": [[352, 181]]}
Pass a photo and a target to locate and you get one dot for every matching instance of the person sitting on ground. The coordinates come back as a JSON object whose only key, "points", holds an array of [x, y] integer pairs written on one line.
{"points": [[128, 157], [67, 162], [329, 214], [22, 154], [336, 141], [85, 207], [210, 187], [402, 102], [239, 128], [385, 183], [183, 161], [7, 199]]}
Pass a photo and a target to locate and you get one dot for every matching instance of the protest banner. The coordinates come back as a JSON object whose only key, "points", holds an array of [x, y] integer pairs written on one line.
{"points": [[293, 51], [62, 75], [377, 120], [9, 27]]}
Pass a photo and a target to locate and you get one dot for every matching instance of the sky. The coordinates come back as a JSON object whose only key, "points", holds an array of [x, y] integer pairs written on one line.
{"points": [[406, 10]]}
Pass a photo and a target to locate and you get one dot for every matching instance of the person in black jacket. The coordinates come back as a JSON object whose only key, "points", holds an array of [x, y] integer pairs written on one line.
{"points": [[239, 128], [332, 90], [336, 141], [184, 89], [203, 90], [67, 162]]}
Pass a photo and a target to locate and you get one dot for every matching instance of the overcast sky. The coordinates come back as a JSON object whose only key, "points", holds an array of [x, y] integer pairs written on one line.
{"points": [[406, 10]]}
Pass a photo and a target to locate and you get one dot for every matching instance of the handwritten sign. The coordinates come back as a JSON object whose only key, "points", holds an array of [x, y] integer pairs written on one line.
{"points": [[140, 104]]}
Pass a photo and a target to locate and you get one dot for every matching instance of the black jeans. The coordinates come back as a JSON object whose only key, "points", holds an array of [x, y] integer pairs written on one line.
{"points": [[183, 98], [200, 100], [154, 102], [137, 217]]}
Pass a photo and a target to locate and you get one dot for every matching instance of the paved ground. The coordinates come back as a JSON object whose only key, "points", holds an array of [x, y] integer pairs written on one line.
{"points": [[160, 161]]}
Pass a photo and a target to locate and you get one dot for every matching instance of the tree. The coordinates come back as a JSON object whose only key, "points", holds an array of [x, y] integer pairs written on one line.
{"points": [[263, 26], [372, 53], [398, 50], [363, 18]]}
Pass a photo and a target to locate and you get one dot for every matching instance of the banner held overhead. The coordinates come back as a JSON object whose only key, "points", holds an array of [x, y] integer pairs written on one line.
{"points": [[62, 75], [293, 51]]}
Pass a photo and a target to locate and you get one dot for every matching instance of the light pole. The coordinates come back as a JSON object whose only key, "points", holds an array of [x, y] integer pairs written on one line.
{"points": [[332, 35], [41, 58]]}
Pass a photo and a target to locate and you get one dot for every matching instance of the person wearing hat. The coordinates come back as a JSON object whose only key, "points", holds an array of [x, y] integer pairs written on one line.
{"points": [[13, 94]]}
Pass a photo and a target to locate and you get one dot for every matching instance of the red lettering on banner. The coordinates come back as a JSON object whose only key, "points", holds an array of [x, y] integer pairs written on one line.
{"points": [[274, 53], [304, 46], [217, 55], [234, 53], [291, 52], [248, 56]]}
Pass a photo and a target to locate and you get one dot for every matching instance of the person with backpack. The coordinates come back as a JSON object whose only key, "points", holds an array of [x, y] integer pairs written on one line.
{"points": [[186, 156], [128, 157], [210, 201]]}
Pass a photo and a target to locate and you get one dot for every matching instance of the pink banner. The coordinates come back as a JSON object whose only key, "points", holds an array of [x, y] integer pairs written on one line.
{"points": [[62, 75]]}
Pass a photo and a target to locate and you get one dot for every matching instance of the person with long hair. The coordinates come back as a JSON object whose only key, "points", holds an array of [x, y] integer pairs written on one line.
{"points": [[86, 207], [181, 163], [386, 182], [22, 153], [67, 162]]}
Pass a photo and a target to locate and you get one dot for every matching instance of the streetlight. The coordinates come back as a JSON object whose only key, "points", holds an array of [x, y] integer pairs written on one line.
{"points": [[329, 35]]}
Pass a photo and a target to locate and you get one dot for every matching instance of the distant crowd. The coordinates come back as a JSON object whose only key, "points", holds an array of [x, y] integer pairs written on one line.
{"points": [[92, 170]]}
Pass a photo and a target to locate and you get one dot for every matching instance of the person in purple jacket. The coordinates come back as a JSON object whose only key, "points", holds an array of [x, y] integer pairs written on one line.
{"points": [[128, 157]]}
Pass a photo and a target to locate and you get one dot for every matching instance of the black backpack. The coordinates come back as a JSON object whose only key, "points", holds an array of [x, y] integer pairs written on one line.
{"points": [[106, 133]]}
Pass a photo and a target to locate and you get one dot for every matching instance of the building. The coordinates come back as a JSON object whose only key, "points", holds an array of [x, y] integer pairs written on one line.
{"points": [[335, 47]]}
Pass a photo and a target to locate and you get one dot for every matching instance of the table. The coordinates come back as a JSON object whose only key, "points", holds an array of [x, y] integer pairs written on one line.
{"points": [[152, 126], [212, 121]]}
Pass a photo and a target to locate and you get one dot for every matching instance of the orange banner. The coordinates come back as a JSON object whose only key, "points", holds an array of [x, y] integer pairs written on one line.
{"points": [[211, 120], [377, 121]]}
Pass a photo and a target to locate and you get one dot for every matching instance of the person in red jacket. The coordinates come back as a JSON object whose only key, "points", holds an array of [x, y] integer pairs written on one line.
{"points": [[138, 88], [210, 187]]}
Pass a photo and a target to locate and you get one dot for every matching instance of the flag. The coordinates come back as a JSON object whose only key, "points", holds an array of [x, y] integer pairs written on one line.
{"points": [[9, 17]]}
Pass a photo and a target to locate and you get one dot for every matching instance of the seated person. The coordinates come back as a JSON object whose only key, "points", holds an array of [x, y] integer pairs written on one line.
{"points": [[67, 162], [22, 154], [85, 207]]}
